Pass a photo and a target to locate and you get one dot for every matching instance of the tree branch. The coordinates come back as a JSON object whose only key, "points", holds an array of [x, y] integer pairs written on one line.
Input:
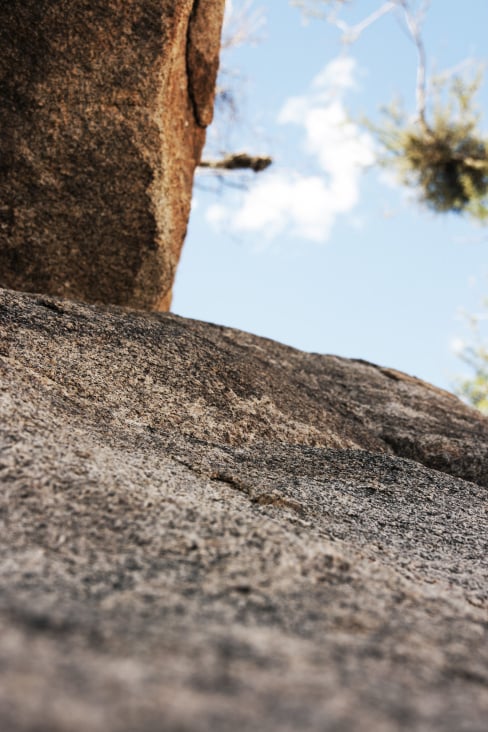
{"points": [[238, 161], [413, 26], [352, 32]]}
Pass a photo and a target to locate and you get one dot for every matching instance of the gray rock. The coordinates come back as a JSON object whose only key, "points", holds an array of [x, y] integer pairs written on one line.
{"points": [[103, 109], [205, 530]]}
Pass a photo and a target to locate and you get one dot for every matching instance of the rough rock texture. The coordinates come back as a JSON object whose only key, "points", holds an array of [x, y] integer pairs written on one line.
{"points": [[202, 530], [103, 109]]}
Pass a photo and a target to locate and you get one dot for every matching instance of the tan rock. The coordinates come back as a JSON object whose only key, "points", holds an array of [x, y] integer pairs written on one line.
{"points": [[103, 109]]}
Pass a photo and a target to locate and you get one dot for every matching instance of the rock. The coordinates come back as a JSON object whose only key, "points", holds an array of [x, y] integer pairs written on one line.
{"points": [[205, 530], [103, 109]]}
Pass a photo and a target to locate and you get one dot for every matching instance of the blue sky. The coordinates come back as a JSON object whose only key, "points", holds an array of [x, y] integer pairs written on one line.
{"points": [[320, 252]]}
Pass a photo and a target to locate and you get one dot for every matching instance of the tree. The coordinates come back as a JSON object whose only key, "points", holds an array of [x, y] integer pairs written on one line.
{"points": [[474, 389], [438, 151]]}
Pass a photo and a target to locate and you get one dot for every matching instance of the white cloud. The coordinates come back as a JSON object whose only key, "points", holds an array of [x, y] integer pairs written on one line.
{"points": [[457, 346], [286, 202], [338, 74], [307, 205], [340, 147]]}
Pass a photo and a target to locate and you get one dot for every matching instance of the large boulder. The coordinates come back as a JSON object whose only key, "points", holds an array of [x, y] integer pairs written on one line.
{"points": [[103, 110], [203, 530]]}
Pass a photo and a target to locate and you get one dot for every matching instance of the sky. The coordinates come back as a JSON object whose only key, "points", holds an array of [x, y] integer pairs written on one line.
{"points": [[325, 251]]}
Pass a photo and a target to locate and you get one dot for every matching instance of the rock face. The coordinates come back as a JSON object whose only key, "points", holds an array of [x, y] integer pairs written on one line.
{"points": [[103, 109], [204, 530]]}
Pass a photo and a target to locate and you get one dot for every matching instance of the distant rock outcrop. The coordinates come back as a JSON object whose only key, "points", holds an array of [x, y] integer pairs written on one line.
{"points": [[203, 530], [103, 109]]}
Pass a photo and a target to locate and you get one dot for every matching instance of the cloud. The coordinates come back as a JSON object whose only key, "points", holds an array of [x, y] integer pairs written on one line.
{"points": [[457, 346], [339, 146], [286, 202], [338, 74], [307, 206], [282, 202]]}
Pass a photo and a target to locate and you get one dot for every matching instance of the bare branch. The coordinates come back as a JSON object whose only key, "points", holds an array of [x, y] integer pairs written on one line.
{"points": [[242, 26], [352, 32], [413, 25], [239, 161]]}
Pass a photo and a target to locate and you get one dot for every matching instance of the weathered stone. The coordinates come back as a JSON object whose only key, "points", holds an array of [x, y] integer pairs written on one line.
{"points": [[205, 530], [103, 108]]}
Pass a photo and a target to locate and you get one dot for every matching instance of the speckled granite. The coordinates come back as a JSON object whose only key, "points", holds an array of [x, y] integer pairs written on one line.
{"points": [[103, 109], [202, 530]]}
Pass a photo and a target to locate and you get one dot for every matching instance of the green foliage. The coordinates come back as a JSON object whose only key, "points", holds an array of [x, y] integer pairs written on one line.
{"points": [[446, 160], [474, 389]]}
